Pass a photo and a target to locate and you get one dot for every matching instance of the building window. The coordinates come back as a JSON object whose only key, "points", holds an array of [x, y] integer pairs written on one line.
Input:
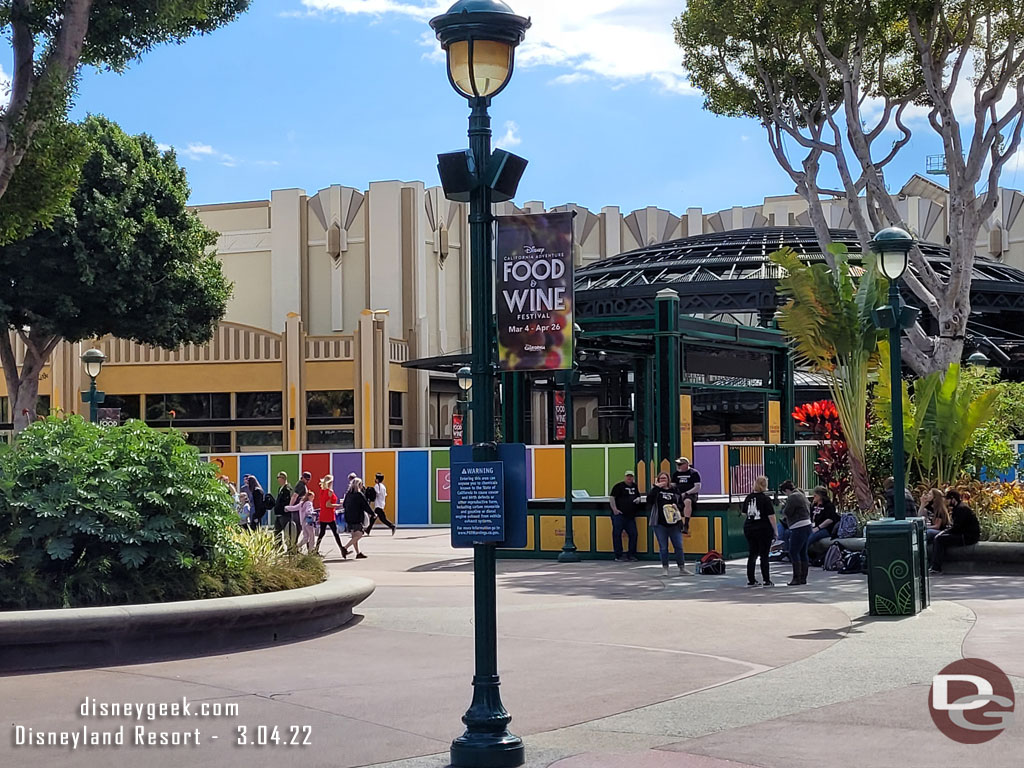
{"points": [[264, 406], [195, 407], [258, 441], [396, 401], [324, 439], [129, 405], [209, 442], [330, 406], [395, 438]]}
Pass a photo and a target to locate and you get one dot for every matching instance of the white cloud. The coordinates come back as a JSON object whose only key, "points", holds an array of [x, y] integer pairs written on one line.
{"points": [[616, 40], [511, 137], [164, 147], [198, 152]]}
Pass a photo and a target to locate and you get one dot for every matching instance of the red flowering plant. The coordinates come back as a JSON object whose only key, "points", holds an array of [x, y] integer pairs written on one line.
{"points": [[821, 419]]}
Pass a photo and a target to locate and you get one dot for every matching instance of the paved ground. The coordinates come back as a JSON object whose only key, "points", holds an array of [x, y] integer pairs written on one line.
{"points": [[603, 664]]}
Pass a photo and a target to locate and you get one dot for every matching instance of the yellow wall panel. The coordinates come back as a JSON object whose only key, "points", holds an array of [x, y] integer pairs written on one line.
{"points": [[604, 535], [548, 473], [718, 534], [641, 535], [191, 377], [333, 375], [552, 532], [697, 541], [384, 462], [399, 378]]}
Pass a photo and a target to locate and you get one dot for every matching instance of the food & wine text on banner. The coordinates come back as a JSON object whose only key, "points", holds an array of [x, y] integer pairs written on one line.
{"points": [[535, 292]]}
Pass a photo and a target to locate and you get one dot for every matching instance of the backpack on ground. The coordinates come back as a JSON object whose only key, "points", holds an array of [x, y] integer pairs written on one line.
{"points": [[833, 557], [711, 564], [853, 562], [847, 527]]}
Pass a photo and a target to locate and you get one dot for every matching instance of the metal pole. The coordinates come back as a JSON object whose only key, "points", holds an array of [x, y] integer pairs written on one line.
{"points": [[93, 410], [569, 553], [487, 742], [899, 472]]}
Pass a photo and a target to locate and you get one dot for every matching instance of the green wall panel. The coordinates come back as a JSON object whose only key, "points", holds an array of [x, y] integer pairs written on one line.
{"points": [[588, 470], [283, 462], [440, 511]]}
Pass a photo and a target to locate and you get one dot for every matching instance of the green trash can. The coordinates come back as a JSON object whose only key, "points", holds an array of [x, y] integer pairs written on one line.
{"points": [[922, 548], [894, 567]]}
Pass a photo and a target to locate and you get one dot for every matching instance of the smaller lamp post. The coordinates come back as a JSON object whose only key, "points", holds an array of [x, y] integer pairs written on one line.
{"points": [[465, 379], [92, 361], [571, 377], [978, 359], [893, 248]]}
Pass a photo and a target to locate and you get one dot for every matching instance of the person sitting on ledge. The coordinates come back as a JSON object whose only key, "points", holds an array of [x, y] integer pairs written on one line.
{"points": [[823, 514], [965, 531]]}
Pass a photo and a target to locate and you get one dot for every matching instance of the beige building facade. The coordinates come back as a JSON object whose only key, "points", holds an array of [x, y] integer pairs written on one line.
{"points": [[335, 290]]}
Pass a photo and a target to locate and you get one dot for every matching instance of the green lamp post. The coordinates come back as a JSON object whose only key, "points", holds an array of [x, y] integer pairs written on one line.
{"points": [[479, 38], [92, 361], [893, 248]]}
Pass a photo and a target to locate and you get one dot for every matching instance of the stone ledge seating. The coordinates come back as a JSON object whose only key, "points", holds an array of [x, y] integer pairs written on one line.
{"points": [[1000, 553]]}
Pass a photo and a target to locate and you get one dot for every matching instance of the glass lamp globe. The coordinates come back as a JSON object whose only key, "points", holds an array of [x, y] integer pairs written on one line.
{"points": [[893, 248], [465, 377], [479, 38], [93, 360]]}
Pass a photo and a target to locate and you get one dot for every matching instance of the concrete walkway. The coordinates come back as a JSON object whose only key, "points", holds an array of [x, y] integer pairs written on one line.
{"points": [[603, 664]]}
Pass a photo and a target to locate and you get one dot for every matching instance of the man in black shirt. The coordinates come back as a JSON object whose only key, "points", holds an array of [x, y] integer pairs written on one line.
{"points": [[625, 504], [686, 480], [301, 488], [283, 517]]}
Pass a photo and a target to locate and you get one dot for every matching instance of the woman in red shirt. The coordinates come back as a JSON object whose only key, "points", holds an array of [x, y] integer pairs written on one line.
{"points": [[328, 516]]}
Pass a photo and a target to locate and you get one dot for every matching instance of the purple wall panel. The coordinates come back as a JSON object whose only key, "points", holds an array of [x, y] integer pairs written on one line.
{"points": [[707, 459], [344, 462]]}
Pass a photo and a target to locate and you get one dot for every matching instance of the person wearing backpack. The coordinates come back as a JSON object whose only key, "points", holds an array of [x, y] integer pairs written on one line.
{"points": [[797, 512], [759, 529], [666, 520], [257, 502]]}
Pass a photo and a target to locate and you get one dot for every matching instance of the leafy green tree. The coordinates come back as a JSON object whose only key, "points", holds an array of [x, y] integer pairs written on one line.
{"points": [[51, 40], [127, 257], [834, 83], [942, 419], [827, 318]]}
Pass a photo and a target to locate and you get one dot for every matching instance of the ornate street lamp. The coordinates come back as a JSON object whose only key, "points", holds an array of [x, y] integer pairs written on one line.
{"points": [[92, 362], [479, 38], [893, 248]]}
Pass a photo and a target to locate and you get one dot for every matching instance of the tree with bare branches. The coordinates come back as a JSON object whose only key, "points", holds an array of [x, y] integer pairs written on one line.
{"points": [[832, 83]]}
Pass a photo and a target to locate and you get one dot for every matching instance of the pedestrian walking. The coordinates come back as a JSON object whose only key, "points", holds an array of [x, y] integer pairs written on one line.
{"points": [[379, 500], [301, 487], [625, 503], [797, 511], [257, 502], [358, 514], [759, 529], [328, 513], [964, 532], [666, 521], [286, 522], [307, 514]]}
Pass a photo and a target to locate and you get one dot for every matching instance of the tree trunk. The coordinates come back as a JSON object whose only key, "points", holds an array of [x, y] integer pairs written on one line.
{"points": [[23, 407], [861, 484], [23, 385]]}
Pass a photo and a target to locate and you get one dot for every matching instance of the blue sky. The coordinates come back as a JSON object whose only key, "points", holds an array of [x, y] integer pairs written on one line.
{"points": [[307, 93]]}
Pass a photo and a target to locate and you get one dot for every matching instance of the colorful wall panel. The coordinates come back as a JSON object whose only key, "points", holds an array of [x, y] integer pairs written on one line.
{"points": [[227, 465], [548, 473], [440, 487], [318, 465], [588, 470], [707, 459], [413, 488], [383, 462], [257, 465], [343, 464], [287, 463]]}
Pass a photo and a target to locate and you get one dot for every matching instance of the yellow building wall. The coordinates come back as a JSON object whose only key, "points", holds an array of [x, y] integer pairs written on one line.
{"points": [[236, 217], [399, 378], [331, 375], [185, 378]]}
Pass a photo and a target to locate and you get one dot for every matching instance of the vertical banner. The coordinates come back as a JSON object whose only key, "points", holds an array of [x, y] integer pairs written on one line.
{"points": [[560, 415], [534, 293], [456, 429], [774, 422]]}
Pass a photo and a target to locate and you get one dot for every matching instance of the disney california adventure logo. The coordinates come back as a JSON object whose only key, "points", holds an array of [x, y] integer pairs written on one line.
{"points": [[972, 701]]}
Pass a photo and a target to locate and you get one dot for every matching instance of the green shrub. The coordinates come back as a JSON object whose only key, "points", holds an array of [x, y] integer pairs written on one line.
{"points": [[101, 516]]}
